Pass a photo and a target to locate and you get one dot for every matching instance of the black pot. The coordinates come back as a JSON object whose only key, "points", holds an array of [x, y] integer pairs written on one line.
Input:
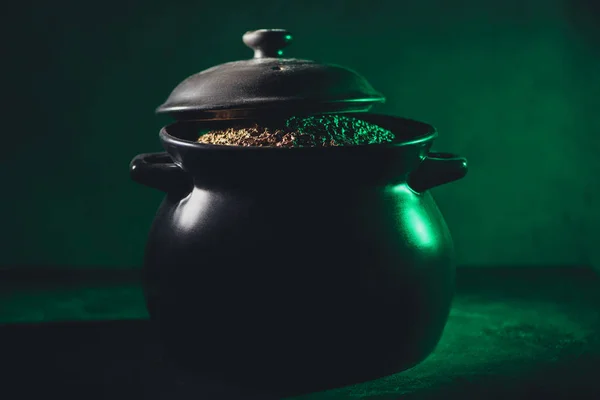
{"points": [[296, 270], [292, 270]]}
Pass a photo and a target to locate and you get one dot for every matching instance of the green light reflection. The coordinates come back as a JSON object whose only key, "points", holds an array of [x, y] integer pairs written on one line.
{"points": [[411, 213]]}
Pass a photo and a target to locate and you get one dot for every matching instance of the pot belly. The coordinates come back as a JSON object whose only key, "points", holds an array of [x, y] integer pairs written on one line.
{"points": [[297, 292]]}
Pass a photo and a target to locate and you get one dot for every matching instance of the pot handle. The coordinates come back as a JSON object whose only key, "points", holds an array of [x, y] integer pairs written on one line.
{"points": [[437, 169], [158, 171]]}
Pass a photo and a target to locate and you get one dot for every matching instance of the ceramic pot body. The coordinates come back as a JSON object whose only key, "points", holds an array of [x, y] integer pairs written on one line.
{"points": [[299, 273]]}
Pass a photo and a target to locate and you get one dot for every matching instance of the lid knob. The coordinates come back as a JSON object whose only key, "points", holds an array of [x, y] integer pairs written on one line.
{"points": [[267, 42]]}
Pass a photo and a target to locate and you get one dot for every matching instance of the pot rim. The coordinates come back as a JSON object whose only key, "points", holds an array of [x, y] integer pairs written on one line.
{"points": [[429, 134]]}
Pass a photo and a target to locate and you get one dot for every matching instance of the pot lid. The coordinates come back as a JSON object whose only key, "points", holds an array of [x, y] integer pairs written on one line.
{"points": [[268, 84]]}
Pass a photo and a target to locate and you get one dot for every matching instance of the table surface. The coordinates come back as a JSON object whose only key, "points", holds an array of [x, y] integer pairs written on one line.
{"points": [[512, 334]]}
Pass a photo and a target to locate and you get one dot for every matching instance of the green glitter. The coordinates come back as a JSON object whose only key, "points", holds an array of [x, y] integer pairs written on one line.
{"points": [[336, 130]]}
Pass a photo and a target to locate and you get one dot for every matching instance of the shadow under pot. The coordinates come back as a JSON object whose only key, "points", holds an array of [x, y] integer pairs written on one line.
{"points": [[285, 271]]}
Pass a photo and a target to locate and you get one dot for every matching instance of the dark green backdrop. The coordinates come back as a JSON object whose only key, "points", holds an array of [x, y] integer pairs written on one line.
{"points": [[514, 85]]}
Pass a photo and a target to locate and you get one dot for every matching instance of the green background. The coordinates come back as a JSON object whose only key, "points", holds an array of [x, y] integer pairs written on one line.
{"points": [[512, 85]]}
